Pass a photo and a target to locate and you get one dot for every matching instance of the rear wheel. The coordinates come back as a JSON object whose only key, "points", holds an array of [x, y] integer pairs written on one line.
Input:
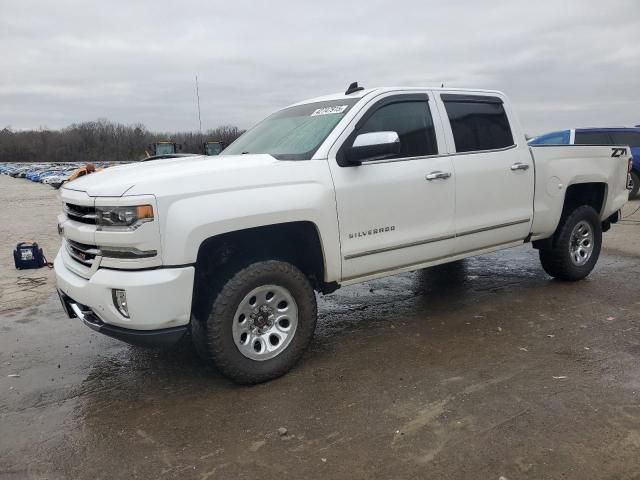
{"points": [[576, 246], [634, 185], [260, 322]]}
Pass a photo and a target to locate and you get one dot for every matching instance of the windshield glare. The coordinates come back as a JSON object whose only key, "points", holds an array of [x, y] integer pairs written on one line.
{"points": [[294, 133]]}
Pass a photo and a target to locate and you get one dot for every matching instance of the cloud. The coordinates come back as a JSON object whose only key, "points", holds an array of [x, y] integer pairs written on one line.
{"points": [[563, 64]]}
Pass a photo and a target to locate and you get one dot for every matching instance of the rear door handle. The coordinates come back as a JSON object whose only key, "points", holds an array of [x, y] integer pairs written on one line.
{"points": [[519, 166], [438, 175]]}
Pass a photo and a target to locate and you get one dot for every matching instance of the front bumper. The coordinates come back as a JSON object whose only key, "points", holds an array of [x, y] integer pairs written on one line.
{"points": [[158, 299], [165, 337]]}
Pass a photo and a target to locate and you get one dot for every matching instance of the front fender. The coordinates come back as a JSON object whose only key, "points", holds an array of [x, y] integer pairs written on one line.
{"points": [[190, 221]]}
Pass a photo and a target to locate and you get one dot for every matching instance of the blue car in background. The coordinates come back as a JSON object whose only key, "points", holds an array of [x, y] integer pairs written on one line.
{"points": [[600, 136]]}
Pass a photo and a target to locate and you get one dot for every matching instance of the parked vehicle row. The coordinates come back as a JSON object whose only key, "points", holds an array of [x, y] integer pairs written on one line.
{"points": [[54, 174], [601, 136]]}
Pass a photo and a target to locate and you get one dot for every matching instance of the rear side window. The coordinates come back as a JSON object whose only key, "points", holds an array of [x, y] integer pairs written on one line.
{"points": [[626, 138], [478, 122], [592, 138], [412, 121]]}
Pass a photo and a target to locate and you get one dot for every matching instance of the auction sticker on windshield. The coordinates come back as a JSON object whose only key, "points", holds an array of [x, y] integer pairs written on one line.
{"points": [[329, 110]]}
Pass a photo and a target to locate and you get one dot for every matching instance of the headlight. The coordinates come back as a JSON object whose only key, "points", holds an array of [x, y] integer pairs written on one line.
{"points": [[124, 217]]}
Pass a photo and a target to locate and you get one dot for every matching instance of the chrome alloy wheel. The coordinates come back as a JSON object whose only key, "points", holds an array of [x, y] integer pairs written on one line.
{"points": [[265, 322], [581, 243]]}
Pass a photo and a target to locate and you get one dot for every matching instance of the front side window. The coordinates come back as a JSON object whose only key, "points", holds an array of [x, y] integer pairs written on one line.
{"points": [[586, 137], [412, 121], [478, 124], [294, 133]]}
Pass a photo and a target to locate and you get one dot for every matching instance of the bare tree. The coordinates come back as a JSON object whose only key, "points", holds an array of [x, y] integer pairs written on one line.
{"points": [[99, 140]]}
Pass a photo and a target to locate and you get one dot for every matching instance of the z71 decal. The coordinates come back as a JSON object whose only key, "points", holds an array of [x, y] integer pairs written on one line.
{"points": [[618, 152]]}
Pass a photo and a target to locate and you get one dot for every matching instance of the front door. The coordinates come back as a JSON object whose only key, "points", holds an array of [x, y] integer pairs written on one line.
{"points": [[397, 212]]}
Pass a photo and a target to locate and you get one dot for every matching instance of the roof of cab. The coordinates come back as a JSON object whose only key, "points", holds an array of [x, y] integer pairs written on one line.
{"points": [[379, 90]]}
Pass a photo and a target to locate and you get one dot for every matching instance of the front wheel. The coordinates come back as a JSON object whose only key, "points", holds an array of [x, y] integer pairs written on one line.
{"points": [[260, 322], [576, 246]]}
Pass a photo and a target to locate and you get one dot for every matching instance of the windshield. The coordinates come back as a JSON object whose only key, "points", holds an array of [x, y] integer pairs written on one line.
{"points": [[294, 133], [213, 148], [165, 149]]}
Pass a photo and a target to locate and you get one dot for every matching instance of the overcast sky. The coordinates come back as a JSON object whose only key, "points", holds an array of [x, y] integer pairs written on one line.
{"points": [[563, 63]]}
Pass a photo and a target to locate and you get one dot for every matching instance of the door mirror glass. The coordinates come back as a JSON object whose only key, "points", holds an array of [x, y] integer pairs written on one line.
{"points": [[374, 146]]}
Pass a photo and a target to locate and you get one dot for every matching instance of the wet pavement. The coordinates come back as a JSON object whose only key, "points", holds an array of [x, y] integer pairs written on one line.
{"points": [[481, 369]]}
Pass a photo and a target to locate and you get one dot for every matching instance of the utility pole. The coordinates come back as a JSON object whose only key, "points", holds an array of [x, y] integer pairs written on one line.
{"points": [[198, 98]]}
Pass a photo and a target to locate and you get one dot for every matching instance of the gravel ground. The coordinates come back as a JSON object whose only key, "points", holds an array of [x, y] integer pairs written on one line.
{"points": [[483, 369]]}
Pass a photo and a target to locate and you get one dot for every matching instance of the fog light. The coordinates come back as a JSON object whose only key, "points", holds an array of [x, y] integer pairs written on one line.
{"points": [[120, 302]]}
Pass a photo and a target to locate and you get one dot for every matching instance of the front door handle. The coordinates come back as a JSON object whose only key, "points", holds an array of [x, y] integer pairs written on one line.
{"points": [[519, 166], [438, 175]]}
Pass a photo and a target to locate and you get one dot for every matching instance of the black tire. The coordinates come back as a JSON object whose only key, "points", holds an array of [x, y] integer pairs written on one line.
{"points": [[213, 336], [635, 185], [557, 261]]}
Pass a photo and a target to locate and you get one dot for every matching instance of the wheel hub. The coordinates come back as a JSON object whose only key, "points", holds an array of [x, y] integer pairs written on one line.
{"points": [[581, 243], [265, 322], [262, 318]]}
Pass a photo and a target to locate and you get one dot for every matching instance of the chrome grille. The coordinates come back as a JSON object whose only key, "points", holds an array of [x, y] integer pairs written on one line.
{"points": [[81, 252], [80, 213]]}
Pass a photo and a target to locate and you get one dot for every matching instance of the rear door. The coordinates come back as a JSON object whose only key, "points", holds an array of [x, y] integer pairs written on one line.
{"points": [[494, 174]]}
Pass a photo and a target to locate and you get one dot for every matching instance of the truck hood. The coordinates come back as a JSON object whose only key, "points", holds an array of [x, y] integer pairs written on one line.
{"points": [[142, 177]]}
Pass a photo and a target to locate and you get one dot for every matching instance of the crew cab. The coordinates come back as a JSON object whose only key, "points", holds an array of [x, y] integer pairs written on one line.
{"points": [[601, 136], [327, 192]]}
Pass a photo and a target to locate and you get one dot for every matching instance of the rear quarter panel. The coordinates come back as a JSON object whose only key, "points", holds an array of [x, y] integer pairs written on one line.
{"points": [[559, 167]]}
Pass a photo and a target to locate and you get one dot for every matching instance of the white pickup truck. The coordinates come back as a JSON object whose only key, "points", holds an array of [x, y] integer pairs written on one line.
{"points": [[327, 192]]}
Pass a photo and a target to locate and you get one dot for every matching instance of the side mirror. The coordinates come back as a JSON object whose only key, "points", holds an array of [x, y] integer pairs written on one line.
{"points": [[373, 146]]}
